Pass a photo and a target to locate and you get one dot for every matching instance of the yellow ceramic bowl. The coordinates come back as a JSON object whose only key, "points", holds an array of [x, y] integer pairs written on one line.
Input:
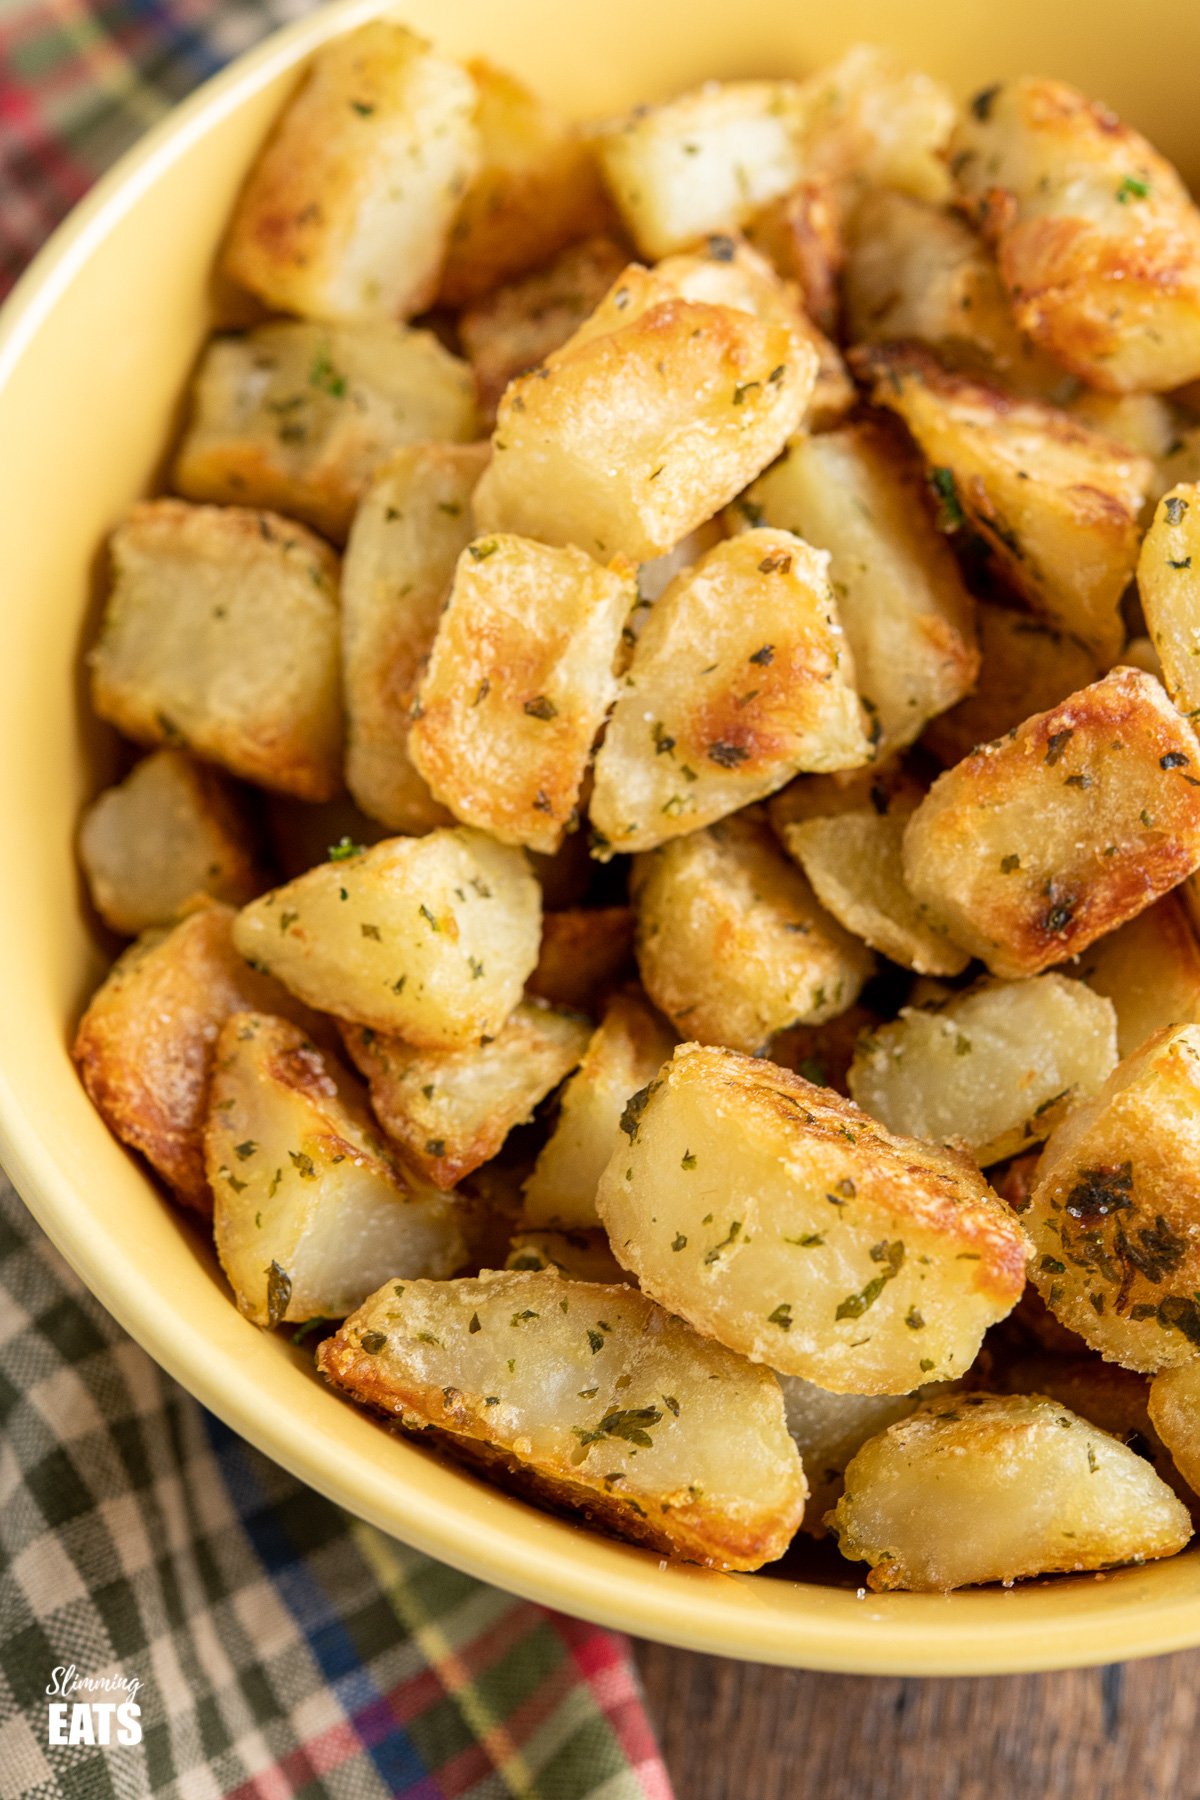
{"points": [[95, 348]]}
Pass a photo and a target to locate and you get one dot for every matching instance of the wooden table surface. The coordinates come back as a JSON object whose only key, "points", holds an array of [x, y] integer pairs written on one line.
{"points": [[739, 1731]]}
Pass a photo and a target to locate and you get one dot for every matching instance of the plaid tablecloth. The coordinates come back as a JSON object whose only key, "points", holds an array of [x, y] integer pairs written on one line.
{"points": [[280, 1647]]}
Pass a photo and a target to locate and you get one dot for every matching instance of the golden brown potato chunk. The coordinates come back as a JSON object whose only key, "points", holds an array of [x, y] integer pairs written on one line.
{"points": [[855, 864], [870, 121], [703, 162], [1115, 1209], [580, 1255], [220, 634], [448, 1111], [587, 1396], [918, 271], [1144, 423], [1150, 970], [347, 212], [519, 680], [741, 678], [982, 1487], [144, 1047], [1033, 847], [886, 787], [645, 423], [1026, 666], [780, 1219], [1175, 1412], [1096, 237], [626, 1051], [413, 525], [518, 325], [801, 236], [537, 188], [430, 938], [299, 416], [733, 945], [860, 494], [995, 1068], [828, 1429], [584, 950], [1169, 586], [310, 1212], [1055, 503], [171, 832]]}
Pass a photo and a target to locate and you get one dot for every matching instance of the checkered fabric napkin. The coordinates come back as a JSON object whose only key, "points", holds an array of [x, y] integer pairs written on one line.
{"points": [[281, 1647]]}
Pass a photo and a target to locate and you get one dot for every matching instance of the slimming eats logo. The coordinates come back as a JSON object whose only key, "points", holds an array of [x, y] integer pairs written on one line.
{"points": [[113, 1719]]}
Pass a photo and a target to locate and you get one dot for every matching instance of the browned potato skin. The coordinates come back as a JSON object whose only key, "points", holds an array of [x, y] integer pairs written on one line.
{"points": [[733, 945], [537, 190], [584, 951], [1026, 666], [1114, 1208], [685, 1525], [297, 234], [1100, 832], [519, 679], [145, 1045], [801, 235], [517, 326], [285, 736], [535, 1048], [1095, 235], [1056, 504]]}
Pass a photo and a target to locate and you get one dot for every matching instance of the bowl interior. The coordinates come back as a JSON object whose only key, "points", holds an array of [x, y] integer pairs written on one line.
{"points": [[94, 351]]}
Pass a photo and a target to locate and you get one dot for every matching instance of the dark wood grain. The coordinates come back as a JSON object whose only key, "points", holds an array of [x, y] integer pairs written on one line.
{"points": [[738, 1731]]}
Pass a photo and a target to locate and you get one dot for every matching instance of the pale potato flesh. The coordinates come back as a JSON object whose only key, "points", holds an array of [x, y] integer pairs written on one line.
{"points": [[299, 416], [741, 678], [144, 1046], [1114, 1212], [1033, 847], [1169, 586], [310, 1211], [519, 680], [732, 944], [1175, 1412], [220, 635], [828, 1429], [448, 1111], [995, 1068], [348, 210], [580, 1255], [171, 832], [413, 524], [430, 938], [1095, 235], [859, 493], [855, 865], [589, 1396], [1150, 970], [871, 121], [783, 1221], [626, 1051], [979, 1487], [1056, 504], [1026, 666]]}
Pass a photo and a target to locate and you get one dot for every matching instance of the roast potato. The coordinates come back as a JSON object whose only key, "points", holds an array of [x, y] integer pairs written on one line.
{"points": [[202, 598], [348, 210], [310, 1212], [626, 1051], [171, 832], [1169, 588], [732, 944], [519, 680], [995, 1068], [1033, 847], [448, 1111], [828, 1429], [1175, 1413], [1026, 666], [780, 1219], [983, 1487], [430, 938], [580, 1255], [1150, 970], [671, 1440], [584, 950]]}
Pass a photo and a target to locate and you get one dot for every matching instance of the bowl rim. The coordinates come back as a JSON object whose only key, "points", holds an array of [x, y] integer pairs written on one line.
{"points": [[618, 1586]]}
